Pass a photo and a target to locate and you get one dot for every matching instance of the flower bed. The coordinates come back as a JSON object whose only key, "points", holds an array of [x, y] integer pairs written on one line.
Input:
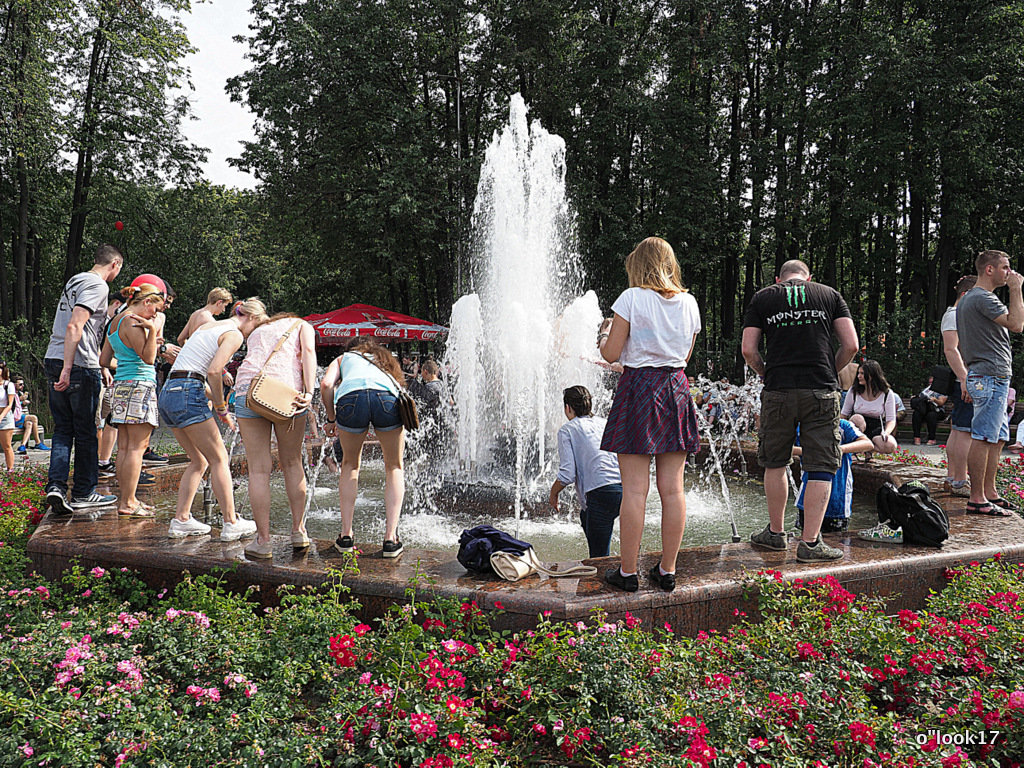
{"points": [[100, 670]]}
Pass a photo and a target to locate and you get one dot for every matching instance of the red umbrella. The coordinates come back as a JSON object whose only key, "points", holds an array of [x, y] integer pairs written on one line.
{"points": [[366, 320]]}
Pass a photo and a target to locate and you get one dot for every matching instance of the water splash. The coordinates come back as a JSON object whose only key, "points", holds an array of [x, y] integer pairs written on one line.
{"points": [[524, 337]]}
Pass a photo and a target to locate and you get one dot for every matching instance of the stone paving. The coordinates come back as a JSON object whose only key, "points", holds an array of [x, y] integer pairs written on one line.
{"points": [[710, 578]]}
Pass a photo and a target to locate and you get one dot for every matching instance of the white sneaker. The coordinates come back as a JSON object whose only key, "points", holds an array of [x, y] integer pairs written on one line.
{"points": [[883, 534], [236, 530], [191, 527]]}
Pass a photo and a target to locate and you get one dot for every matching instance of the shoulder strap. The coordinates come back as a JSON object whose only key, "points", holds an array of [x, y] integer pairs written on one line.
{"points": [[554, 571], [372, 359], [280, 342]]}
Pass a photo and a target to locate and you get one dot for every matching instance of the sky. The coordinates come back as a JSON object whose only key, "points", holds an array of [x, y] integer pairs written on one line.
{"points": [[221, 125]]}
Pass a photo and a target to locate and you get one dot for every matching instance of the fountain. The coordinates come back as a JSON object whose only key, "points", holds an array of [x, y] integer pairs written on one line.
{"points": [[526, 333], [514, 345], [524, 336]]}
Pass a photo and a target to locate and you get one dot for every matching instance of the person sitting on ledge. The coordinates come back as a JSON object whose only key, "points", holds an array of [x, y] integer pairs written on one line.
{"points": [[839, 507], [871, 407], [927, 406], [595, 472]]}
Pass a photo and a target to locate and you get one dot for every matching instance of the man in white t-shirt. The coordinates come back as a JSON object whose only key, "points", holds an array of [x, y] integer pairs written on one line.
{"points": [[72, 365], [959, 443]]}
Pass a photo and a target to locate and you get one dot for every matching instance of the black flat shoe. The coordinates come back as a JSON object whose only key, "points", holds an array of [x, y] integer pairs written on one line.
{"points": [[666, 581], [627, 583]]}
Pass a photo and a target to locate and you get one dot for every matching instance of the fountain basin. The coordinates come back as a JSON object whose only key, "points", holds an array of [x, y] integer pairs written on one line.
{"points": [[710, 577]]}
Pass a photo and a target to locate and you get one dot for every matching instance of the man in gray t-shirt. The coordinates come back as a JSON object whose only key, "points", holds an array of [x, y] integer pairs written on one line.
{"points": [[983, 324], [72, 366]]}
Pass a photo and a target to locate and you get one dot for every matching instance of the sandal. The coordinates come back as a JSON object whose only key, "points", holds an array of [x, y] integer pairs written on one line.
{"points": [[1003, 504], [143, 510], [986, 508]]}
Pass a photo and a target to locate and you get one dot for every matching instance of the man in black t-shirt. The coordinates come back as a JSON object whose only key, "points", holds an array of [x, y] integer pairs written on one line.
{"points": [[797, 318]]}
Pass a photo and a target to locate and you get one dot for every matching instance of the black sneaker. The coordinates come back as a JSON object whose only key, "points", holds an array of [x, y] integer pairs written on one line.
{"points": [[151, 457], [146, 479], [392, 548], [344, 544], [58, 502], [93, 500], [666, 581], [616, 579], [107, 469]]}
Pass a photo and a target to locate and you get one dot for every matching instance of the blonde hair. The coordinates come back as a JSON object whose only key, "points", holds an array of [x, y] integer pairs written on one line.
{"points": [[133, 294], [218, 294], [653, 265], [252, 307]]}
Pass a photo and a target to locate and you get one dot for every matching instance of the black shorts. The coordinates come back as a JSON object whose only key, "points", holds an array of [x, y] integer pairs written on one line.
{"points": [[872, 426]]}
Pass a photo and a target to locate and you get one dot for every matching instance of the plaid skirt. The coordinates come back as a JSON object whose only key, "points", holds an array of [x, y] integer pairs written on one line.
{"points": [[132, 402], [652, 413]]}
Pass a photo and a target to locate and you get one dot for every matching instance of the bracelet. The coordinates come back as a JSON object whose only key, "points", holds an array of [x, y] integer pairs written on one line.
{"points": [[329, 421], [221, 409]]}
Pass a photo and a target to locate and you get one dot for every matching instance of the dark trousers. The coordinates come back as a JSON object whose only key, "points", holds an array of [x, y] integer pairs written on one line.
{"points": [[74, 424], [924, 412], [598, 519]]}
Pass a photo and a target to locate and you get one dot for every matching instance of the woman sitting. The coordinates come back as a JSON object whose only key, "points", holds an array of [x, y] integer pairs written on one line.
{"points": [[29, 422], [927, 406], [360, 388], [870, 406], [186, 410], [282, 349]]}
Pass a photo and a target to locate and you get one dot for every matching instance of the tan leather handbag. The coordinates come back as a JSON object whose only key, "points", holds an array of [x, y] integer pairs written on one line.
{"points": [[272, 399]]}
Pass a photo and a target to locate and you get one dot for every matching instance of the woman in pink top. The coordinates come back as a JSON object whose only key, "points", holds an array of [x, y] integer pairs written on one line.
{"points": [[870, 405], [293, 364]]}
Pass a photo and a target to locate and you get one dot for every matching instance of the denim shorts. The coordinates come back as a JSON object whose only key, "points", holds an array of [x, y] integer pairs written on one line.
{"points": [[183, 403], [7, 422], [989, 395], [357, 410], [242, 411]]}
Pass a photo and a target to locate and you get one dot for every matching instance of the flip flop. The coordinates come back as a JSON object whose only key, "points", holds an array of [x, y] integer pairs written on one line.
{"points": [[1003, 504], [987, 509], [140, 511]]}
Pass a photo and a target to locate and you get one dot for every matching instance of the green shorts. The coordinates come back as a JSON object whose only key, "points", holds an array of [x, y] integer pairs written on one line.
{"points": [[816, 412]]}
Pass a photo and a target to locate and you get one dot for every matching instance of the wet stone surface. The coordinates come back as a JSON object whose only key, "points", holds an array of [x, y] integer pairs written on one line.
{"points": [[709, 578]]}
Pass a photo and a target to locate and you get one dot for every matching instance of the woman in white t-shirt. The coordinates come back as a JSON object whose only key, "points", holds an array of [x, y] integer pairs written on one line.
{"points": [[870, 405], [8, 394], [651, 334]]}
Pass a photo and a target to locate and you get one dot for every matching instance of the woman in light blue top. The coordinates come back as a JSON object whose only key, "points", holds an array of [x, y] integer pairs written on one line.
{"points": [[359, 388], [131, 338]]}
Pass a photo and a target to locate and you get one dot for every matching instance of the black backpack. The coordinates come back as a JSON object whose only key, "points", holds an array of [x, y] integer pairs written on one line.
{"points": [[912, 508], [477, 544]]}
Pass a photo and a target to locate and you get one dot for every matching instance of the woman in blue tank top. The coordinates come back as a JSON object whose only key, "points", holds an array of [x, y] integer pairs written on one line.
{"points": [[360, 388], [131, 339]]}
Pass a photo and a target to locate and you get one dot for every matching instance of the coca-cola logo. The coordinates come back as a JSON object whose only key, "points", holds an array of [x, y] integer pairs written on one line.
{"points": [[391, 333]]}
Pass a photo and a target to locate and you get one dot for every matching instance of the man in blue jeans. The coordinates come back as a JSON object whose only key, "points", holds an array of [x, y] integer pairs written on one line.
{"points": [[595, 472], [983, 324], [72, 364]]}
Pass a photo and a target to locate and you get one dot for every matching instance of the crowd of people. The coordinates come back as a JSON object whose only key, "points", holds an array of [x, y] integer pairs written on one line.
{"points": [[817, 405], [102, 368]]}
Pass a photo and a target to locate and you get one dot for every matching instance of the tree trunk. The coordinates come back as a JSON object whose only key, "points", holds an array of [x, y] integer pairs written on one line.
{"points": [[83, 167], [21, 249]]}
